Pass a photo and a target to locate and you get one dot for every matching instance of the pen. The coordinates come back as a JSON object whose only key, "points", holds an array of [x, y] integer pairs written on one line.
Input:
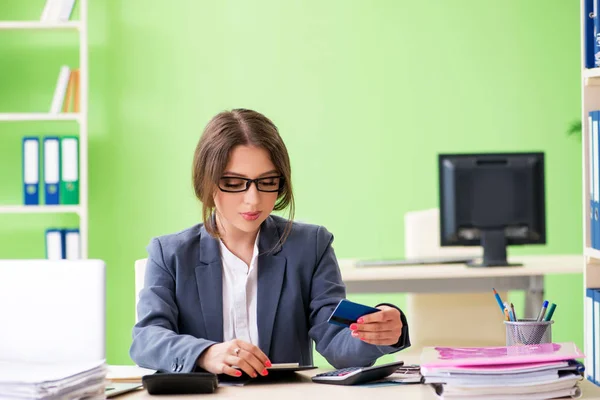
{"points": [[506, 316], [511, 316], [513, 311], [542, 311], [550, 312], [499, 300]]}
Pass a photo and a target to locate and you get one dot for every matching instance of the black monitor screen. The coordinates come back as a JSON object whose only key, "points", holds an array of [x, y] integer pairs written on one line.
{"points": [[481, 194]]}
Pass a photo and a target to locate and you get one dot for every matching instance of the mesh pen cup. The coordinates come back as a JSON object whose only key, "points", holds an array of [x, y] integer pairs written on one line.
{"points": [[528, 331]]}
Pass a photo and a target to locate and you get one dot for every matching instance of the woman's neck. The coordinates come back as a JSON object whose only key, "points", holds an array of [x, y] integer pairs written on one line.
{"points": [[237, 241]]}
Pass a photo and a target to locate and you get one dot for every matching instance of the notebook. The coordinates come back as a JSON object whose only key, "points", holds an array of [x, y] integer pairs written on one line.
{"points": [[472, 356]]}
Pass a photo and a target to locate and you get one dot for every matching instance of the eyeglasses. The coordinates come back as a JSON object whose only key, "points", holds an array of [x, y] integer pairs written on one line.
{"points": [[234, 184]]}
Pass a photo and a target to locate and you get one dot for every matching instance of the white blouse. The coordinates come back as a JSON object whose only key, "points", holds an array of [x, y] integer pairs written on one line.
{"points": [[240, 284]]}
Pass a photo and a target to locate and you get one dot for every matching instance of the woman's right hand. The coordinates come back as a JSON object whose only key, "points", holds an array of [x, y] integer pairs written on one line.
{"points": [[221, 358]]}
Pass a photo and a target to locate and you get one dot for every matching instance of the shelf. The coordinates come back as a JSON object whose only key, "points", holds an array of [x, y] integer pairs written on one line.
{"points": [[41, 209], [39, 117], [591, 73], [593, 253], [36, 25]]}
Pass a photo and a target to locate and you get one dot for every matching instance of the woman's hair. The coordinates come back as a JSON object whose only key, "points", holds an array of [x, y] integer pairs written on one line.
{"points": [[222, 134]]}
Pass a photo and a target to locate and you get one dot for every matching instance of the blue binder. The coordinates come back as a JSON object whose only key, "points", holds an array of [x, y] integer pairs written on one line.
{"points": [[596, 216], [51, 170], [31, 170], [596, 332], [589, 33], [590, 331], [592, 231], [595, 10]]}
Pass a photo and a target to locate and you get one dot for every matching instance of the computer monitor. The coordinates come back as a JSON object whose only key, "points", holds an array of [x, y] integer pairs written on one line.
{"points": [[492, 200]]}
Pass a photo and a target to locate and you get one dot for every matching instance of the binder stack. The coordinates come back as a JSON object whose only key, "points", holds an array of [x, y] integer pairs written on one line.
{"points": [[60, 170], [536, 371], [63, 244], [594, 182], [592, 335]]}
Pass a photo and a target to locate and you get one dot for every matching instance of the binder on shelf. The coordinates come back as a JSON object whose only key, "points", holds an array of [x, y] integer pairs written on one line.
{"points": [[69, 171], [54, 244], [596, 332], [72, 244], [596, 220], [589, 39], [592, 231], [51, 170], [31, 170], [60, 90], [595, 11], [590, 330]]}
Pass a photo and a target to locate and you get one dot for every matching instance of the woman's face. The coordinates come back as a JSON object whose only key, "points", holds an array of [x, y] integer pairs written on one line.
{"points": [[245, 211]]}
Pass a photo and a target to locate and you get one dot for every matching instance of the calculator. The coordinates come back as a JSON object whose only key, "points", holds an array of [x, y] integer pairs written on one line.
{"points": [[357, 375]]}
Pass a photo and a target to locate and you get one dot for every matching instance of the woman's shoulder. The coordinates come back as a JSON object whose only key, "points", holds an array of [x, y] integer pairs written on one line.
{"points": [[302, 231], [164, 247]]}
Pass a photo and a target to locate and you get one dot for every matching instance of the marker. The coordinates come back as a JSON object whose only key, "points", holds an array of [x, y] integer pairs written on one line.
{"points": [[542, 311], [550, 312], [499, 300]]}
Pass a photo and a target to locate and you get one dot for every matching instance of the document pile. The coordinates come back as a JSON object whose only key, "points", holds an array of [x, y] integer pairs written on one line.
{"points": [[538, 371], [22, 380]]}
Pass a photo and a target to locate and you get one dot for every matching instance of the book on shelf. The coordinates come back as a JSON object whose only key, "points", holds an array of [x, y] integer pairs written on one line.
{"points": [[66, 93], [57, 10]]}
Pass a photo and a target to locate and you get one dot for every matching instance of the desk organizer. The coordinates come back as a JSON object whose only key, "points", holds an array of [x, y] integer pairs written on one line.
{"points": [[528, 331]]}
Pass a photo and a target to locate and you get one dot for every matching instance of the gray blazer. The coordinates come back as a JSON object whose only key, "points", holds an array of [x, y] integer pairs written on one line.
{"points": [[180, 309]]}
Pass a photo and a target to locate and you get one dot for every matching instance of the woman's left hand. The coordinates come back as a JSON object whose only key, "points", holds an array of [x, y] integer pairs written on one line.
{"points": [[382, 328]]}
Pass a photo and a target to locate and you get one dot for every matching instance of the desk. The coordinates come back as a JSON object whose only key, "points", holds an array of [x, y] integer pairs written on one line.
{"points": [[301, 388], [447, 278]]}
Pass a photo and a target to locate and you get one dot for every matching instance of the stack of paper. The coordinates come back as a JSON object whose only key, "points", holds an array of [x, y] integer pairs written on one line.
{"points": [[22, 380], [127, 373], [540, 371]]}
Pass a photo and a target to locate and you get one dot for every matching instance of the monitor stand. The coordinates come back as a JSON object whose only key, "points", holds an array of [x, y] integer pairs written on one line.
{"points": [[494, 250]]}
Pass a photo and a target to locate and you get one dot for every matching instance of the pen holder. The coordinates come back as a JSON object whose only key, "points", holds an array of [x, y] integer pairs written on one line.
{"points": [[528, 331]]}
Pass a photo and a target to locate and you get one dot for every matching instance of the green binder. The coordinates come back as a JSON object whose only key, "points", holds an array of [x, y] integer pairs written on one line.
{"points": [[69, 170]]}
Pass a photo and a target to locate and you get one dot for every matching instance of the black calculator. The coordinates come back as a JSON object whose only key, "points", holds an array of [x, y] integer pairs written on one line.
{"points": [[357, 375]]}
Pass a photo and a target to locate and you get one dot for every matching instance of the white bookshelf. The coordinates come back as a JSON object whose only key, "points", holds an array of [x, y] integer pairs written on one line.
{"points": [[41, 209], [82, 118], [13, 25], [24, 117], [590, 101]]}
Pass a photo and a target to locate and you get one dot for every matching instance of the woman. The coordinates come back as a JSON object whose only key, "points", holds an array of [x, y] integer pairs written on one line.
{"points": [[246, 288]]}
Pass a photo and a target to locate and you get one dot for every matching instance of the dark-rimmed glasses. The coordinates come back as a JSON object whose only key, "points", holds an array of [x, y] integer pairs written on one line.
{"points": [[236, 184]]}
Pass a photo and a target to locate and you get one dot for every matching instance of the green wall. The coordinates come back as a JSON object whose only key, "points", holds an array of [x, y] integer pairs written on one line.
{"points": [[365, 94]]}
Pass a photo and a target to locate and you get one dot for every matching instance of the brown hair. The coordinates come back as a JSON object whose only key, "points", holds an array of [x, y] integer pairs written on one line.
{"points": [[224, 132]]}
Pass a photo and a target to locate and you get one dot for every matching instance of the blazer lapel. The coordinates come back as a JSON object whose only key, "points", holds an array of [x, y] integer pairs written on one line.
{"points": [[209, 277], [271, 273]]}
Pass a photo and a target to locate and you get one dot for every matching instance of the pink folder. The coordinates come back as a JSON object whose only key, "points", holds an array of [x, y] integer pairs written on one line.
{"points": [[533, 353]]}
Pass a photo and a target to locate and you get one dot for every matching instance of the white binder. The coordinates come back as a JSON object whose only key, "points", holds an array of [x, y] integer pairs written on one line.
{"points": [[54, 250], [72, 244]]}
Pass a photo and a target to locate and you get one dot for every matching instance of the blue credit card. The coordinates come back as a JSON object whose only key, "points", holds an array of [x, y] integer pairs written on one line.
{"points": [[347, 312]]}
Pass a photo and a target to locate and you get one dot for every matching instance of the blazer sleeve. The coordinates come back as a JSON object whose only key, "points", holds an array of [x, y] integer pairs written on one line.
{"points": [[156, 341], [334, 342]]}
